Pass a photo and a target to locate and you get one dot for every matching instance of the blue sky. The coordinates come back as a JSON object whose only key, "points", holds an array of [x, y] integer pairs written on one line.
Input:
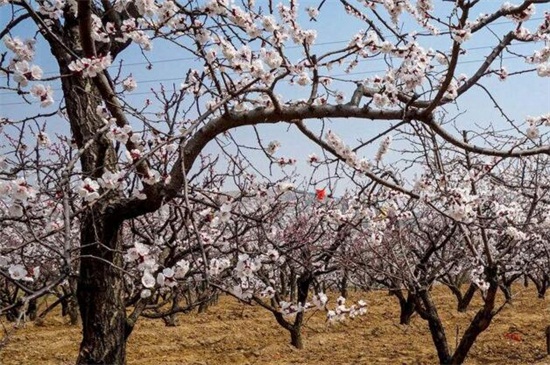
{"points": [[521, 96]]}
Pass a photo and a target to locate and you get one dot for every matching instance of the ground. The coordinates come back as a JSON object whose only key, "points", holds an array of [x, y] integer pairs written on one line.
{"points": [[233, 333]]}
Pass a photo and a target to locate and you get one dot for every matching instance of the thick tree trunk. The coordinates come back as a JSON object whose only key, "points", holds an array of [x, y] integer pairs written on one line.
{"points": [[302, 286], [13, 313], [344, 285], [295, 328], [481, 321], [170, 320], [466, 299], [455, 289], [479, 324], [99, 287], [429, 313], [69, 302], [296, 338], [284, 287], [541, 285], [507, 291], [408, 307], [72, 310], [292, 286], [542, 291], [32, 310], [100, 292]]}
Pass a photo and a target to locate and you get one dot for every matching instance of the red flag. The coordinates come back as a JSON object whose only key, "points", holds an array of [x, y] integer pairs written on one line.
{"points": [[320, 194]]}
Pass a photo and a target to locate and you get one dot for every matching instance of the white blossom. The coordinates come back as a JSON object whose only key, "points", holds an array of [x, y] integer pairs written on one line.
{"points": [[17, 272], [89, 190], [148, 280]]}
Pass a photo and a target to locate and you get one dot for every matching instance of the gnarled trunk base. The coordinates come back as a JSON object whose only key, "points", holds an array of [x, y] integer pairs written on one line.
{"points": [[296, 339], [100, 293]]}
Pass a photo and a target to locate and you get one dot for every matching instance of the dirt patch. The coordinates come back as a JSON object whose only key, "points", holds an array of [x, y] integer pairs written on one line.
{"points": [[233, 333]]}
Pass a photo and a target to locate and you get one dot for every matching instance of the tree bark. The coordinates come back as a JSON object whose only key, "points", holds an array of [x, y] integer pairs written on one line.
{"points": [[507, 291], [100, 292], [429, 313], [69, 302], [408, 308], [466, 299], [296, 338], [481, 321], [542, 291], [543, 286], [302, 286], [72, 310], [292, 286], [295, 328], [100, 286], [344, 285]]}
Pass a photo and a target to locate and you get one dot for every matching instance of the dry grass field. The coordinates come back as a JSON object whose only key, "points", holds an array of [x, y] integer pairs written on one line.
{"points": [[232, 333]]}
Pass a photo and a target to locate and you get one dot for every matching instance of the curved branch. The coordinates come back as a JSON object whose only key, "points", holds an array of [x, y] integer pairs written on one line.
{"points": [[450, 71], [512, 152], [309, 134], [500, 13], [488, 61], [13, 24], [131, 208]]}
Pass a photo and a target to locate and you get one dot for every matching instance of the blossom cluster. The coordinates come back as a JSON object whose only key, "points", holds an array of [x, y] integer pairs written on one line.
{"points": [[345, 152], [91, 67], [18, 193], [24, 71], [147, 265]]}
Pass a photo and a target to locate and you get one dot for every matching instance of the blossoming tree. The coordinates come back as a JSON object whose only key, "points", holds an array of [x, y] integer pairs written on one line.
{"points": [[75, 173]]}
